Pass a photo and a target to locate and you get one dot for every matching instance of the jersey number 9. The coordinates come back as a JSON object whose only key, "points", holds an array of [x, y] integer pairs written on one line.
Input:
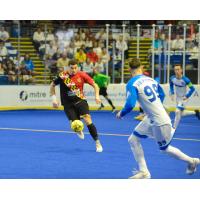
{"points": [[151, 92]]}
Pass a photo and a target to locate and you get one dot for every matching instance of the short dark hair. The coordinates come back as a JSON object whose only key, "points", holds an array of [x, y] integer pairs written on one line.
{"points": [[134, 63], [177, 65], [73, 62]]}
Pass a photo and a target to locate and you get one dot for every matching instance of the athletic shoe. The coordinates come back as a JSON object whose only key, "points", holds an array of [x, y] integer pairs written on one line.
{"points": [[114, 110], [101, 107], [141, 175], [99, 148], [80, 135], [192, 167], [197, 114], [140, 117]]}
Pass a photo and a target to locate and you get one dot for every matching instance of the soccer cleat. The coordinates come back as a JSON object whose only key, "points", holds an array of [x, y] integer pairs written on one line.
{"points": [[192, 167], [141, 175], [140, 117], [80, 135], [99, 148], [197, 114]]}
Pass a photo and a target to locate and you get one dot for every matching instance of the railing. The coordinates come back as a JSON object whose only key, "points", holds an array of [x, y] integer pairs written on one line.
{"points": [[160, 61]]}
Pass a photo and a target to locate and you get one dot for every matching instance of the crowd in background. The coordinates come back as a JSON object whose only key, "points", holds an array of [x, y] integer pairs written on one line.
{"points": [[88, 48], [56, 46]]}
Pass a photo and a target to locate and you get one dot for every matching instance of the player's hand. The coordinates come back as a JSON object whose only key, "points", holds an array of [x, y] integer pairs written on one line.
{"points": [[98, 100], [118, 115], [185, 98], [55, 104]]}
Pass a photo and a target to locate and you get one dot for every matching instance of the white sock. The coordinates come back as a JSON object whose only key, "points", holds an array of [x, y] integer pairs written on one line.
{"points": [[177, 119], [188, 112], [176, 153], [138, 153]]}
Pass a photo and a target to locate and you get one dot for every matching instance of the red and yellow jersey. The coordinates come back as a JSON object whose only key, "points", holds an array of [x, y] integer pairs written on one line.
{"points": [[71, 86]]}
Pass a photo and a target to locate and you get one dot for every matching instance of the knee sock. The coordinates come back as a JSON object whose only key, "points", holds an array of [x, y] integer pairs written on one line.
{"points": [[177, 118], [138, 153], [176, 153], [93, 131]]}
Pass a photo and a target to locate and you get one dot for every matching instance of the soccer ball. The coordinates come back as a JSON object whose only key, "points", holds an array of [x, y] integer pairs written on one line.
{"points": [[77, 125]]}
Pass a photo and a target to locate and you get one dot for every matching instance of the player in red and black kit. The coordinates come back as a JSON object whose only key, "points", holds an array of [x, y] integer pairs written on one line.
{"points": [[72, 98]]}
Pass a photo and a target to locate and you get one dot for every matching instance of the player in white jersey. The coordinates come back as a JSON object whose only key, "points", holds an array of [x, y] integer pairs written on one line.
{"points": [[157, 123], [180, 83]]}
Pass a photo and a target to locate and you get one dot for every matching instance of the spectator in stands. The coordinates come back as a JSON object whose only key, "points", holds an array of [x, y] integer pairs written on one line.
{"points": [[51, 49], [50, 36], [77, 42], [157, 43], [70, 50], [101, 35], [89, 34], [88, 43], [80, 56], [88, 66], [120, 46], [12, 75], [4, 35], [100, 66], [62, 63], [97, 48], [177, 44], [1, 69], [50, 63], [92, 56], [3, 50], [28, 63], [81, 34], [194, 55], [42, 49], [105, 57], [38, 37]]}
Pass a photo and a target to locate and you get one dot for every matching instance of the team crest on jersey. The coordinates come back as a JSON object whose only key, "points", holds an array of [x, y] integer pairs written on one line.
{"points": [[64, 75]]}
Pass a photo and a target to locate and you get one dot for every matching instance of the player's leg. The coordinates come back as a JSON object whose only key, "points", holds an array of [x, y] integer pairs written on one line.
{"points": [[163, 135], [142, 130], [103, 91], [83, 110], [72, 115], [191, 112], [178, 114], [101, 106]]}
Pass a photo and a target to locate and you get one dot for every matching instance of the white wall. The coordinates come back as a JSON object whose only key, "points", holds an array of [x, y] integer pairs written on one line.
{"points": [[38, 96]]}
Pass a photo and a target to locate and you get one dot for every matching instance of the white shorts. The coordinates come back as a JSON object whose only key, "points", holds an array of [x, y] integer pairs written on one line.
{"points": [[162, 134]]}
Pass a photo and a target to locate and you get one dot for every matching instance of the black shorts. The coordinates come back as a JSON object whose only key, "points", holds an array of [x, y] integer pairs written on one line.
{"points": [[75, 111], [103, 91]]}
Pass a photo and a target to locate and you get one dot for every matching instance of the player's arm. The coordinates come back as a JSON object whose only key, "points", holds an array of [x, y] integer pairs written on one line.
{"points": [[161, 93], [171, 89], [96, 92], [131, 99], [191, 88], [53, 92]]}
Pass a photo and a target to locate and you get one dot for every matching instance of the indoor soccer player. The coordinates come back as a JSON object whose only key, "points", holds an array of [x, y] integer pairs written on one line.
{"points": [[102, 81], [72, 98], [181, 83], [156, 123]]}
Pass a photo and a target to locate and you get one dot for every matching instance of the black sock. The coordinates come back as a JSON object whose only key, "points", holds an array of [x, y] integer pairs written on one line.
{"points": [[102, 105], [93, 131], [110, 102], [141, 110]]}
